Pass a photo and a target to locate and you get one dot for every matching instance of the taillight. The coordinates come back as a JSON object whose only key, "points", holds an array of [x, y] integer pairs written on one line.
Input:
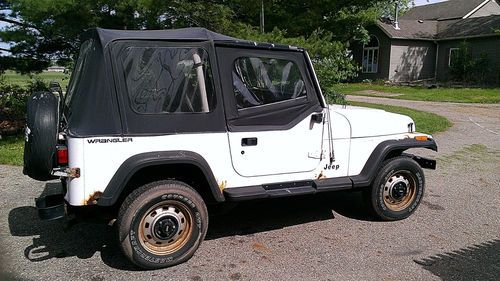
{"points": [[62, 155]]}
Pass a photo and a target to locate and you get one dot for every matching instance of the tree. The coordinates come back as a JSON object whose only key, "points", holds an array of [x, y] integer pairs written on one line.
{"points": [[387, 8], [4, 5], [47, 30], [466, 68], [330, 58], [345, 19]]}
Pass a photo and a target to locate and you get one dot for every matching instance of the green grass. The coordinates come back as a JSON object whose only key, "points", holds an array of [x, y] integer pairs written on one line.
{"points": [[470, 95], [425, 122], [11, 77], [11, 150], [473, 153]]}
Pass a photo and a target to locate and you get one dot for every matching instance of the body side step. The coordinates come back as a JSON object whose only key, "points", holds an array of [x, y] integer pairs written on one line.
{"points": [[285, 189]]}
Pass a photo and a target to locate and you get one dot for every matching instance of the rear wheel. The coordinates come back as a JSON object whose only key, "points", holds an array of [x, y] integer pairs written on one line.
{"points": [[162, 224], [397, 190]]}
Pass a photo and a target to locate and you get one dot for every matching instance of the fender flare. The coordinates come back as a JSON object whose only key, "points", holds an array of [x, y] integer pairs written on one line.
{"points": [[139, 161], [381, 151]]}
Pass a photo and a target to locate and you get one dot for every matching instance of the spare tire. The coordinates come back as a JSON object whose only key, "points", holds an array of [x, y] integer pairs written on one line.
{"points": [[41, 135]]}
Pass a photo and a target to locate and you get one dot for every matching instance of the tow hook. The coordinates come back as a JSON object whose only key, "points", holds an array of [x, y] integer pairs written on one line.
{"points": [[66, 172]]}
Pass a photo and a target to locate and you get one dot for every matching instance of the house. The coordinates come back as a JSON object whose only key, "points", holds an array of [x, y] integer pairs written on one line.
{"points": [[424, 42], [56, 69]]}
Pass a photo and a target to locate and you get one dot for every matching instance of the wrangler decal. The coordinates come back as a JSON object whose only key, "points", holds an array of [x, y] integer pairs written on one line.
{"points": [[108, 140]]}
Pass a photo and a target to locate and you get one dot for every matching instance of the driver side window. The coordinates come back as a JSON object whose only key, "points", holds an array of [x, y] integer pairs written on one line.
{"points": [[259, 81]]}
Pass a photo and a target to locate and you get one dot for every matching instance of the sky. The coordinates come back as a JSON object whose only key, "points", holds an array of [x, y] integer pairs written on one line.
{"points": [[425, 2], [2, 25], [417, 3]]}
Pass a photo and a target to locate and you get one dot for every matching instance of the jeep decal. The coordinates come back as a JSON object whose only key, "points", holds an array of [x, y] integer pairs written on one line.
{"points": [[331, 167]]}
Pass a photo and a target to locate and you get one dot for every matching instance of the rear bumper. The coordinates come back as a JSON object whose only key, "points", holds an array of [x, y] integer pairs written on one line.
{"points": [[51, 207]]}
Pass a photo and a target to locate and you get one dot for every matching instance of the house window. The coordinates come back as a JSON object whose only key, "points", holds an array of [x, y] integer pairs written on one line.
{"points": [[453, 56], [370, 56]]}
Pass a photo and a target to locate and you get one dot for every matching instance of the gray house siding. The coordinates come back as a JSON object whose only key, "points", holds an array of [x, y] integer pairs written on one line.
{"points": [[486, 45], [490, 8], [412, 60], [383, 59]]}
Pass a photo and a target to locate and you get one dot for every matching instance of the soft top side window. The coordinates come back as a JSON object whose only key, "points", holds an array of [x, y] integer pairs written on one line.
{"points": [[168, 79], [259, 81], [85, 51]]}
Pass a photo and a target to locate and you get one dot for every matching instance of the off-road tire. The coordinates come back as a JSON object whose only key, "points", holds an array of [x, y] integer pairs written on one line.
{"points": [[383, 198], [41, 135], [140, 227]]}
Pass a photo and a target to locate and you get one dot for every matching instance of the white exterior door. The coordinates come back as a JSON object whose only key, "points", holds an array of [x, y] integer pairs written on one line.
{"points": [[274, 118], [277, 152]]}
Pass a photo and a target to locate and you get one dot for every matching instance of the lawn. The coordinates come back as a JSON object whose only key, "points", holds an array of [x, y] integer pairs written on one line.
{"points": [[11, 77], [470, 95], [11, 150], [425, 122]]}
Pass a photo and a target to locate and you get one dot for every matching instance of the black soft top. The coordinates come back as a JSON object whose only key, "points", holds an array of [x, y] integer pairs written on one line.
{"points": [[92, 100], [184, 34]]}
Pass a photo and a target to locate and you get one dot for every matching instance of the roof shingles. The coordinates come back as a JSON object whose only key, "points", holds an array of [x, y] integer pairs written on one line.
{"points": [[444, 10], [441, 30], [443, 21]]}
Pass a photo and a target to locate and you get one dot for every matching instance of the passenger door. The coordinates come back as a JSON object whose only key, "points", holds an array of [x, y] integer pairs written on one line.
{"points": [[273, 114]]}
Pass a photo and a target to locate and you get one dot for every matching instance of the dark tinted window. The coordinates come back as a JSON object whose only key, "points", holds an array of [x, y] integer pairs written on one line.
{"points": [[168, 79], [258, 81]]}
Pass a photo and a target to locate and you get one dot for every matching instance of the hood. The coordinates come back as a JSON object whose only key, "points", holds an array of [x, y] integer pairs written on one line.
{"points": [[367, 122]]}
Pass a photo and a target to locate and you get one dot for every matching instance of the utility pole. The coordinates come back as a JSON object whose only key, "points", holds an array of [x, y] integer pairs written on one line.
{"points": [[262, 16]]}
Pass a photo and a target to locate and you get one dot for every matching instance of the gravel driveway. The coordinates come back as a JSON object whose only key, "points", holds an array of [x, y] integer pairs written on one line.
{"points": [[454, 234]]}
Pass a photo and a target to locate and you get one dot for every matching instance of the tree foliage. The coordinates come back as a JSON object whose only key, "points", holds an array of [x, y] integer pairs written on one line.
{"points": [[301, 18], [331, 59], [467, 68], [48, 30]]}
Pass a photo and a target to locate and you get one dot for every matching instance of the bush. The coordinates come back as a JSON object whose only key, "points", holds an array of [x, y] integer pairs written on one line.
{"points": [[13, 98], [332, 96], [330, 58], [468, 69]]}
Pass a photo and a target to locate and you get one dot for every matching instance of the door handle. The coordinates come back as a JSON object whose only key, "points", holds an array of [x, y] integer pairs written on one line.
{"points": [[248, 141]]}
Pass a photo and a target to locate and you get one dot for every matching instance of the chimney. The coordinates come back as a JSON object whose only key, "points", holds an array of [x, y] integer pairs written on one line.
{"points": [[396, 13]]}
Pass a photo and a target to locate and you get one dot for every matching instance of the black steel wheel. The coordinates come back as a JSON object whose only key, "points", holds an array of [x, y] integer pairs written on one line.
{"points": [[162, 224], [397, 190]]}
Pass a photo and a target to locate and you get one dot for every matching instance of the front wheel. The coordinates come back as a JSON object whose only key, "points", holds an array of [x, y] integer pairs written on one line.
{"points": [[397, 190], [162, 224]]}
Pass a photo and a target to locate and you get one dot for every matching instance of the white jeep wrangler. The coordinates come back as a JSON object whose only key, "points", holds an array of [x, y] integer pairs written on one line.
{"points": [[162, 123]]}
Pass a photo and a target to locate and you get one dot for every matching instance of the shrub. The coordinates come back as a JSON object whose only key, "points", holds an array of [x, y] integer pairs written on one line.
{"points": [[13, 98], [469, 69], [330, 58], [334, 97]]}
